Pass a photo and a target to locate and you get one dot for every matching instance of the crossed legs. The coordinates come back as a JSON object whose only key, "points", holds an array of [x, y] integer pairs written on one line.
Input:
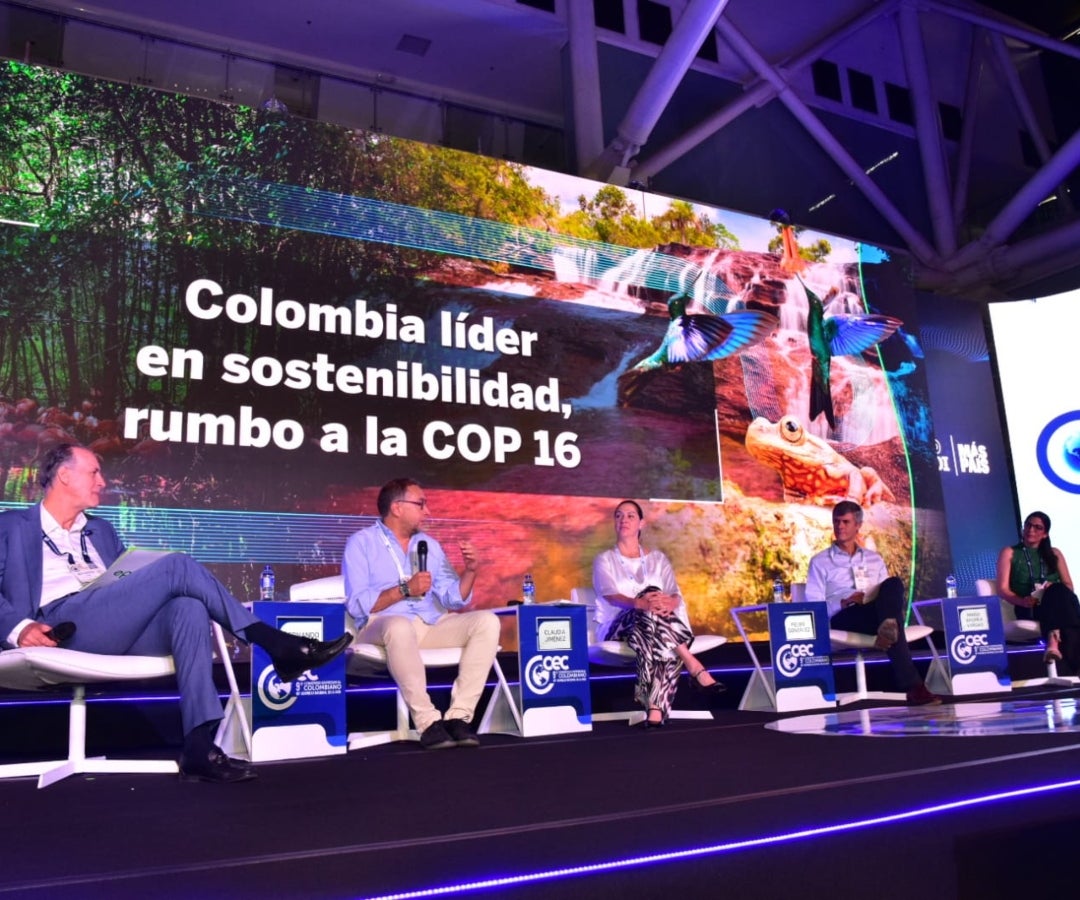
{"points": [[884, 617]]}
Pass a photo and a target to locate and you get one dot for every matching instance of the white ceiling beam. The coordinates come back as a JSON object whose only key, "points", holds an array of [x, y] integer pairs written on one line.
{"points": [[1040, 257], [757, 93], [1041, 185], [585, 95], [656, 91], [1021, 33], [965, 150], [918, 245], [927, 130], [1011, 77]]}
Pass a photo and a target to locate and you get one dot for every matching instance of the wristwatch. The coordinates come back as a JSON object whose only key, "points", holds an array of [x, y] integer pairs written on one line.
{"points": [[403, 586]]}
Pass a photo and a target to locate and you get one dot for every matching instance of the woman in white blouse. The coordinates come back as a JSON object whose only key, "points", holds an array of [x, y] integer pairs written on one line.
{"points": [[638, 601]]}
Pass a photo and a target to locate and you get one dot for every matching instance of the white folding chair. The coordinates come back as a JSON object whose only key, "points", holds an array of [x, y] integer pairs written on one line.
{"points": [[854, 641], [1017, 631], [370, 659], [619, 654], [38, 668]]}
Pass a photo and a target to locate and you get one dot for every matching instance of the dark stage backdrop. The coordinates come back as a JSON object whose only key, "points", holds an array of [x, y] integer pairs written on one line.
{"points": [[257, 319], [972, 458]]}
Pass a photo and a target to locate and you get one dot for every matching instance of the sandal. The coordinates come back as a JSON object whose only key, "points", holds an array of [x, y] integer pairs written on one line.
{"points": [[1052, 653], [695, 682]]}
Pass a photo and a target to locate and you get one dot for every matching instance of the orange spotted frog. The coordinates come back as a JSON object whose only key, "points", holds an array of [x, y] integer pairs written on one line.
{"points": [[809, 467]]}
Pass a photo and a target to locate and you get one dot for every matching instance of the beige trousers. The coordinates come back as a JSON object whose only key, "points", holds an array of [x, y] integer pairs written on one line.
{"points": [[477, 633]]}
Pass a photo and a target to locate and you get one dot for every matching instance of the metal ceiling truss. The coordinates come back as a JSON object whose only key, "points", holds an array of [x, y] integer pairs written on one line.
{"points": [[984, 265]]}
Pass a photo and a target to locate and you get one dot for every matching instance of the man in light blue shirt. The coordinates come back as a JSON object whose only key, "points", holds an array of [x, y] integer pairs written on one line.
{"points": [[861, 597], [406, 596]]}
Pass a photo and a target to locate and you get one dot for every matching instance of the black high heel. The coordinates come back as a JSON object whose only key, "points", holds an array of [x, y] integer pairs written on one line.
{"points": [[710, 690], [650, 725]]}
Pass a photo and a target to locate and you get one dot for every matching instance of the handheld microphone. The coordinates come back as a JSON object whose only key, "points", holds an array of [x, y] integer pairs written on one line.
{"points": [[62, 631], [421, 555]]}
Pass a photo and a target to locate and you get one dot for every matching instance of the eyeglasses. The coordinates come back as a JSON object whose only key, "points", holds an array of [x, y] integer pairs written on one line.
{"points": [[421, 503], [1034, 526]]}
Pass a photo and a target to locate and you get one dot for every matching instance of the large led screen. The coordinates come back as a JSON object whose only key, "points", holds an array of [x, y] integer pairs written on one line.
{"points": [[1034, 342], [256, 320]]}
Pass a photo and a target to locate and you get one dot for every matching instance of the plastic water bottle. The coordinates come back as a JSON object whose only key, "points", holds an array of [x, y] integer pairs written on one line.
{"points": [[778, 590], [528, 589], [950, 585], [266, 584]]}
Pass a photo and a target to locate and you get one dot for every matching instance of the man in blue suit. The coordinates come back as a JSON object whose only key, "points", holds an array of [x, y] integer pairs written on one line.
{"points": [[50, 551]]}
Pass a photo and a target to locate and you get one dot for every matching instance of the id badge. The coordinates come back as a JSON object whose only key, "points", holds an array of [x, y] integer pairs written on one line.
{"points": [[862, 578]]}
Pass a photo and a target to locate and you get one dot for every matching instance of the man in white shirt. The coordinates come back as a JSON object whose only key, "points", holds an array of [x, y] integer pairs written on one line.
{"points": [[407, 608], [862, 597]]}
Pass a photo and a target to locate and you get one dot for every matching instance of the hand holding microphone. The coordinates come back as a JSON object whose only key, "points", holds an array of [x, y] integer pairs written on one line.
{"points": [[420, 583]]}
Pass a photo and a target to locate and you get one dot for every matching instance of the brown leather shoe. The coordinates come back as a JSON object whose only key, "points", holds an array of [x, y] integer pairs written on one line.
{"points": [[920, 695], [888, 633]]}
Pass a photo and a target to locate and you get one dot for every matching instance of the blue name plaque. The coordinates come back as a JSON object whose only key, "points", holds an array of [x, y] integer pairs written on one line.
{"points": [[306, 716], [553, 660], [975, 644], [801, 655]]}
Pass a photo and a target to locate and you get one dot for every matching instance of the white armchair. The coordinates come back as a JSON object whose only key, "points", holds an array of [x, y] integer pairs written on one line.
{"points": [[370, 659], [854, 641], [40, 668], [1017, 631]]}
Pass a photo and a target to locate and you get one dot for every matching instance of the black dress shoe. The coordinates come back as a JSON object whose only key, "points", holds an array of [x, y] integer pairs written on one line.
{"points": [[235, 762], [436, 737], [308, 654], [461, 733], [215, 767]]}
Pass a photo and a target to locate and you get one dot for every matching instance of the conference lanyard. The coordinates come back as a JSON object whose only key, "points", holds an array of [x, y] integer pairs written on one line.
{"points": [[84, 572], [397, 562], [1031, 572], [51, 544]]}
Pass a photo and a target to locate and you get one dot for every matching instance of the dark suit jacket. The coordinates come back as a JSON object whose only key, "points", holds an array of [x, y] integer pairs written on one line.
{"points": [[20, 561]]}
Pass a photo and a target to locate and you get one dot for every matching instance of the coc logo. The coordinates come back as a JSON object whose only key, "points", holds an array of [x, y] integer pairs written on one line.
{"points": [[1058, 451], [790, 656], [965, 647], [540, 671], [279, 695]]}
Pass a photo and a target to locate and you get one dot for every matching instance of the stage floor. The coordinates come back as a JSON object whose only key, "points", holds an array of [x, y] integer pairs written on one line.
{"points": [[1036, 715], [749, 803]]}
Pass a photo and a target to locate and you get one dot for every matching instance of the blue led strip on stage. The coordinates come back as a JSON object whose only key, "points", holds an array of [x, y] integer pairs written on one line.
{"points": [[537, 876], [365, 219], [233, 536]]}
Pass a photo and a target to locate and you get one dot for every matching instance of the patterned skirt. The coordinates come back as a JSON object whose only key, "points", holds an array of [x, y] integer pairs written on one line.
{"points": [[652, 638]]}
